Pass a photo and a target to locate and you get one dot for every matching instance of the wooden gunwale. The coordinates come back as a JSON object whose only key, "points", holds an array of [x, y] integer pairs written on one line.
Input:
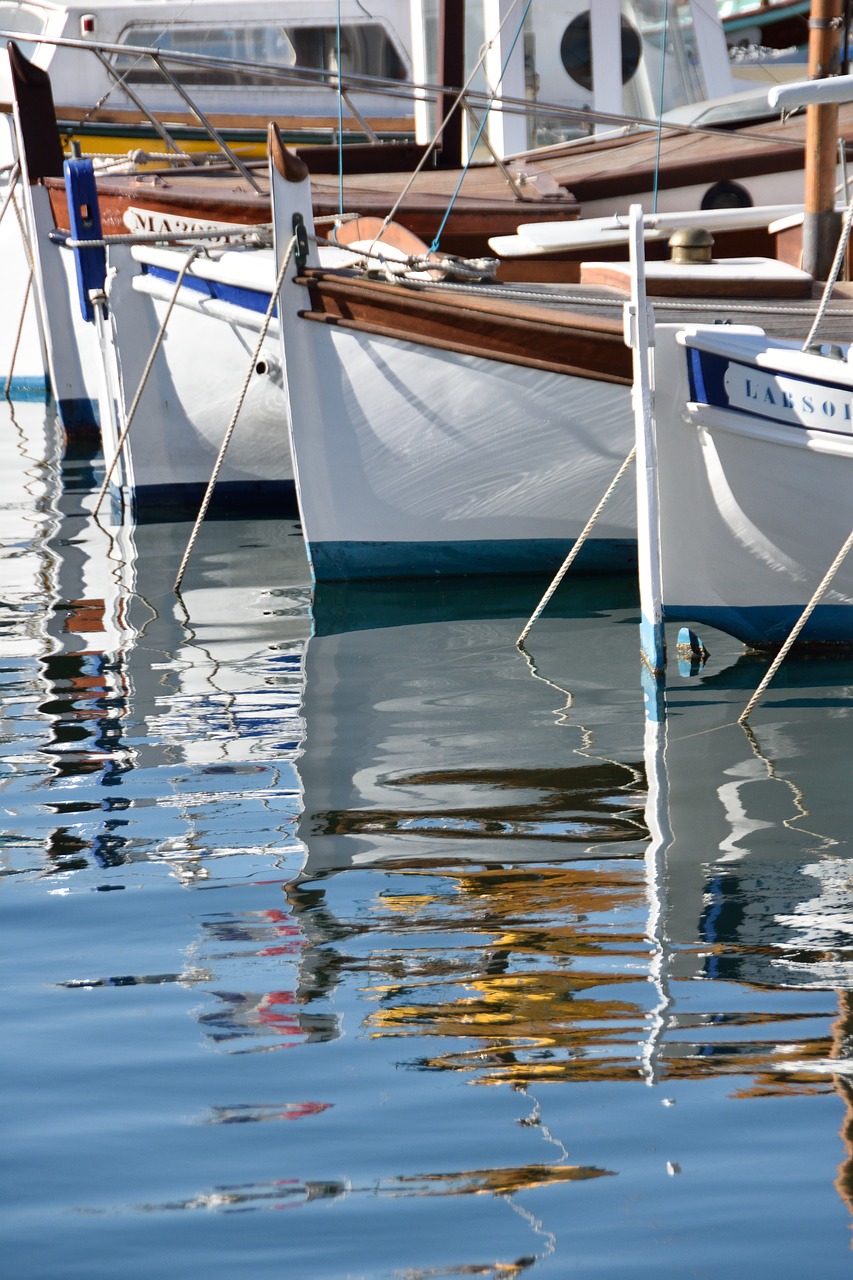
{"points": [[536, 337], [116, 196], [704, 160], [608, 167], [222, 197]]}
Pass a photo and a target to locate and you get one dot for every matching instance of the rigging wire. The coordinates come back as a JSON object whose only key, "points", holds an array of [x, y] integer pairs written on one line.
{"points": [[459, 98], [659, 139], [340, 116], [472, 149]]}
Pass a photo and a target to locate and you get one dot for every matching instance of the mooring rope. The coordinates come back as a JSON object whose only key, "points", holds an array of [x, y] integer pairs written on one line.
{"points": [[14, 175], [800, 623], [834, 273], [7, 386], [22, 227], [555, 299], [260, 234], [340, 110], [14, 172], [211, 484], [576, 547], [256, 234], [158, 341]]}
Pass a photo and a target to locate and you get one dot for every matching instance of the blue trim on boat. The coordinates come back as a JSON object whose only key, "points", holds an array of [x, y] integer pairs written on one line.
{"points": [[32, 389], [249, 299], [652, 643], [654, 694], [696, 375], [153, 503], [350, 561], [79, 414], [766, 625], [707, 372]]}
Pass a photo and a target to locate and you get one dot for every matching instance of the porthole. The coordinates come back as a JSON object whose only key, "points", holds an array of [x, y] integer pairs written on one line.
{"points": [[576, 50], [726, 195]]}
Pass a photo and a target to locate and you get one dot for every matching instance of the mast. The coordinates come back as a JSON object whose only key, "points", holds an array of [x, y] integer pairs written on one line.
{"points": [[821, 224]]}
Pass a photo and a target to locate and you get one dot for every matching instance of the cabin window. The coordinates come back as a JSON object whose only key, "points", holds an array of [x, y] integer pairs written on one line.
{"points": [[576, 50], [20, 17], [366, 49]]}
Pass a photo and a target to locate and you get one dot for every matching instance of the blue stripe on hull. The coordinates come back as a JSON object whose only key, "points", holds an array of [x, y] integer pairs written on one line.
{"points": [[347, 561], [32, 389], [152, 503], [709, 377], [652, 643], [250, 299], [81, 418], [763, 625]]}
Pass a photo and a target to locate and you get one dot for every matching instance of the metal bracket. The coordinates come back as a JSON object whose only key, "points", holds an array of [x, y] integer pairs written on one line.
{"points": [[300, 252]]}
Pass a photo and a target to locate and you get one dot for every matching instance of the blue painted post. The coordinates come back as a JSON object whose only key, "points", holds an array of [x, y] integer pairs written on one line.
{"points": [[85, 224]]}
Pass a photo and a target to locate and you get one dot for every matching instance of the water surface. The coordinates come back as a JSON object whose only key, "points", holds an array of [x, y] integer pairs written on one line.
{"points": [[342, 940]]}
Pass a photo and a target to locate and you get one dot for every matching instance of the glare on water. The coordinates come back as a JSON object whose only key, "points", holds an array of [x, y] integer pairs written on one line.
{"points": [[349, 909]]}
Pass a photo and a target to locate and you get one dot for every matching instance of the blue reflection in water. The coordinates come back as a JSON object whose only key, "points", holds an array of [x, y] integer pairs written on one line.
{"points": [[348, 910]]}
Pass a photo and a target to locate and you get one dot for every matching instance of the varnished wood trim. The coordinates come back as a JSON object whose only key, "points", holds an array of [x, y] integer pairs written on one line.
{"points": [[460, 348], [556, 341], [291, 168]]}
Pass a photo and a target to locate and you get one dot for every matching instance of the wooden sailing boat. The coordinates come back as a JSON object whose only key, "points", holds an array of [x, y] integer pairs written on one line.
{"points": [[448, 429], [750, 449]]}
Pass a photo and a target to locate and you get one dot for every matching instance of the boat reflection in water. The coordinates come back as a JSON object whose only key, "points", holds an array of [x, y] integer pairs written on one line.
{"points": [[555, 891], [427, 740], [179, 712], [397, 857], [750, 876]]}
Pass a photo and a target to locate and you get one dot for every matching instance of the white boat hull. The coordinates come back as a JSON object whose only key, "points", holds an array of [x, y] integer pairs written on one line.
{"points": [[191, 393], [421, 461], [23, 367], [417, 453], [754, 460]]}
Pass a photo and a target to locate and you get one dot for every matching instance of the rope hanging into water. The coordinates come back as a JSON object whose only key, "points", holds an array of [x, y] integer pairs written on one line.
{"points": [[14, 175], [22, 227], [211, 484], [472, 149], [576, 548], [800, 623], [7, 386], [158, 341]]}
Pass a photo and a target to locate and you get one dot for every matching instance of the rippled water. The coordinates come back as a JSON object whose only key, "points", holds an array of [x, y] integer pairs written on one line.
{"points": [[344, 941]]}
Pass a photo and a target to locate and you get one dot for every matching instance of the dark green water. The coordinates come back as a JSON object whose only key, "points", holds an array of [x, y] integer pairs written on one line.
{"points": [[344, 941]]}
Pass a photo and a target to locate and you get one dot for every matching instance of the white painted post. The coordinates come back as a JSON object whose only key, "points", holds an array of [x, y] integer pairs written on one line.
{"points": [[713, 51], [639, 333], [605, 23], [424, 127], [507, 129]]}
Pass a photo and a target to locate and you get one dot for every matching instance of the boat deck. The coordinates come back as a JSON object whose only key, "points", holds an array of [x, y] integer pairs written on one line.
{"points": [[784, 317]]}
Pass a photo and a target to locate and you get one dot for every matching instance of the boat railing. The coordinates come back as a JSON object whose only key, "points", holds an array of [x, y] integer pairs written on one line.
{"points": [[174, 67]]}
